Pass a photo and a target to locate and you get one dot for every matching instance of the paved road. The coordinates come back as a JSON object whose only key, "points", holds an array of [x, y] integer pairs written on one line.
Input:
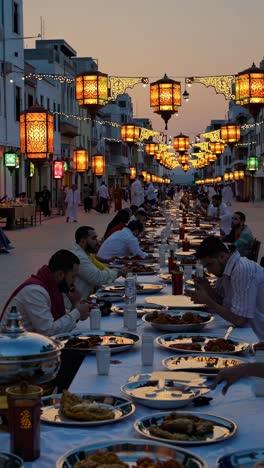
{"points": [[34, 246]]}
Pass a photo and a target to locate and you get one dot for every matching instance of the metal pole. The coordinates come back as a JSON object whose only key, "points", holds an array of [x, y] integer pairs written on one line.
{"points": [[252, 188]]}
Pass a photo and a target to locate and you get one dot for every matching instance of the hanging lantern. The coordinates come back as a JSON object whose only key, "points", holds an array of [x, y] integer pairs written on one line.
{"points": [[98, 165], [151, 148], [31, 169], [226, 176], [80, 160], [183, 158], [58, 169], [130, 133], [92, 91], [66, 166], [181, 143], [157, 155], [230, 134], [148, 178], [217, 147], [165, 97], [133, 173], [252, 164], [11, 161], [236, 175], [185, 167], [36, 133], [241, 175], [249, 89], [211, 157]]}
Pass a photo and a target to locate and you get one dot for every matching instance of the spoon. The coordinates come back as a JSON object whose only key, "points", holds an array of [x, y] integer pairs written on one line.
{"points": [[228, 331]]}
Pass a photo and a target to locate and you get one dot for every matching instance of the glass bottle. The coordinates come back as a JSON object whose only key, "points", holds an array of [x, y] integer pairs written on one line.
{"points": [[181, 232], [177, 282]]}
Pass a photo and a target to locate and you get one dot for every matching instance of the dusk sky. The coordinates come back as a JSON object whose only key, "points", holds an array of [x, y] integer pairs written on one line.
{"points": [[152, 37]]}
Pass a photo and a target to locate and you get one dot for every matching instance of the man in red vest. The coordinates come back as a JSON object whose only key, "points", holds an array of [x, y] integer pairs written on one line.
{"points": [[40, 299]]}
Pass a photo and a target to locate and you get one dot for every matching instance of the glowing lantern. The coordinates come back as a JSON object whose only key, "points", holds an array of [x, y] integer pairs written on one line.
{"points": [[185, 167], [183, 158], [181, 143], [217, 147], [66, 166], [36, 133], [157, 155], [165, 97], [151, 148], [80, 160], [252, 164], [98, 165], [211, 157], [92, 91], [130, 133], [236, 175], [230, 134], [144, 173], [133, 173], [249, 92], [11, 161], [241, 175], [58, 169], [148, 178]]}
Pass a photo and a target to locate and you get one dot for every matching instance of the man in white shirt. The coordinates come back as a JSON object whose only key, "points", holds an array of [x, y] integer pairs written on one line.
{"points": [[219, 211], [92, 273], [238, 294], [150, 193], [123, 243], [103, 194], [137, 191], [40, 299]]}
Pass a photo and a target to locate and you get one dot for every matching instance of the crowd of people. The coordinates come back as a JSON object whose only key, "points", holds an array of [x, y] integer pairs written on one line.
{"points": [[54, 299]]}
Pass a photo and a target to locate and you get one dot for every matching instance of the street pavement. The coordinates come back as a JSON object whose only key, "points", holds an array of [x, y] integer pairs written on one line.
{"points": [[35, 245]]}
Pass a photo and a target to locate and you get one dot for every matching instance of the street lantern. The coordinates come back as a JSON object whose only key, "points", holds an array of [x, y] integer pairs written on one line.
{"points": [[66, 166], [151, 148], [185, 167], [241, 175], [183, 158], [11, 161], [181, 143], [130, 133], [58, 169], [91, 91], [217, 147], [157, 155], [80, 160], [98, 165], [133, 173], [249, 89], [165, 97], [230, 134], [211, 157], [252, 164], [36, 133]]}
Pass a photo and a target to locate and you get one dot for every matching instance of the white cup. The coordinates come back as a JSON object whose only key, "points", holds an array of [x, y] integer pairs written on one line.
{"points": [[95, 319], [103, 355]]}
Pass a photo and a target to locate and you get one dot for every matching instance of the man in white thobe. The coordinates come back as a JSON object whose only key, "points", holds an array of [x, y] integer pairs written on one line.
{"points": [[137, 191], [218, 210], [72, 201], [227, 195]]}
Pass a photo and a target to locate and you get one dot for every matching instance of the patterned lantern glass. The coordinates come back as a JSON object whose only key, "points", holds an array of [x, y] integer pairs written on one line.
{"points": [[181, 143], [216, 147], [98, 164], [80, 160], [36, 132], [58, 169], [230, 133], [91, 90], [165, 97], [130, 133]]}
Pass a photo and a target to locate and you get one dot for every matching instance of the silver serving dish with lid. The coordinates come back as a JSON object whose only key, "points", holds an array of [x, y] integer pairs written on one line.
{"points": [[25, 355]]}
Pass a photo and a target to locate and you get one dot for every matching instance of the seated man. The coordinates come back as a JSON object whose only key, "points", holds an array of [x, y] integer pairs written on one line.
{"points": [[238, 293], [203, 208], [40, 300], [240, 236], [219, 211], [92, 273], [123, 243]]}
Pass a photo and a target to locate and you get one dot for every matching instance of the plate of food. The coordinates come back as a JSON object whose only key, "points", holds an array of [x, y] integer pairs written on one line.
{"points": [[178, 320], [183, 378], [72, 409], [190, 343], [162, 393], [141, 309], [142, 270], [87, 341], [180, 253], [130, 453], [185, 428], [166, 277], [250, 458], [207, 365]]}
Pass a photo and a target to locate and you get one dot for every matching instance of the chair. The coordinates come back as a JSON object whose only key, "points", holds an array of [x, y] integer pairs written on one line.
{"points": [[255, 250]]}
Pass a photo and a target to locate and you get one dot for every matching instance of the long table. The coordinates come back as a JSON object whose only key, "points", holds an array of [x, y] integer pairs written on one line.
{"points": [[240, 403]]}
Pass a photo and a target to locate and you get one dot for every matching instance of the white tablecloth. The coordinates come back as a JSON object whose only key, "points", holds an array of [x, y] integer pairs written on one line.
{"points": [[240, 403]]}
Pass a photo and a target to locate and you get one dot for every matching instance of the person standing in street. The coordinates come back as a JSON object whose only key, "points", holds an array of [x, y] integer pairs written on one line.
{"points": [[72, 201], [87, 201], [61, 201], [117, 195], [45, 203], [103, 194], [137, 191]]}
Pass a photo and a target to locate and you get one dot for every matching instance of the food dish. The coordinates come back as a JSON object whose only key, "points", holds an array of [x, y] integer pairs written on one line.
{"points": [[204, 364], [178, 320], [130, 451], [107, 409], [250, 458], [189, 343], [142, 270], [161, 393], [180, 253], [186, 378], [174, 302], [117, 341], [166, 277], [141, 309], [185, 428]]}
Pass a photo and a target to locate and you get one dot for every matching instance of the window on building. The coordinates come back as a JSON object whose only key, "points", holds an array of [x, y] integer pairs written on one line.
{"points": [[17, 103], [16, 18], [30, 100]]}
